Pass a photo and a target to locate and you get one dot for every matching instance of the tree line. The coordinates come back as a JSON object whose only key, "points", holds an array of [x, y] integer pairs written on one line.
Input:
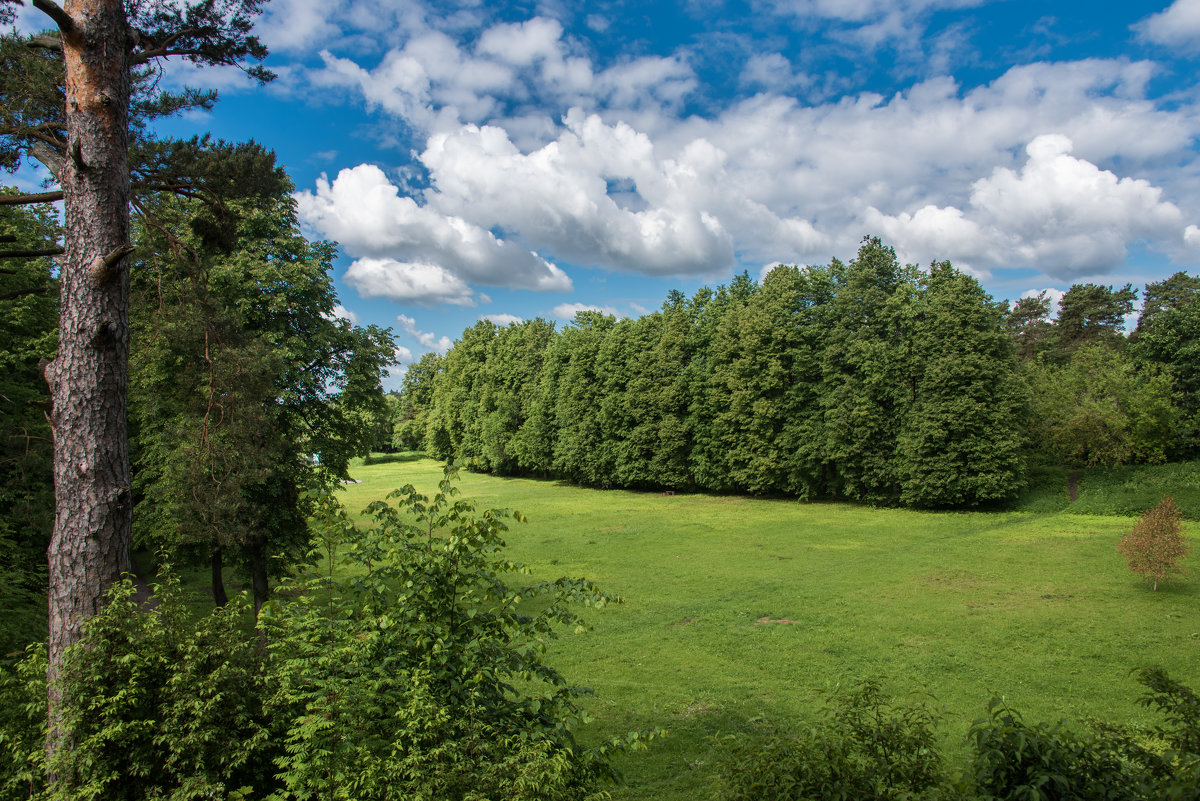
{"points": [[870, 381]]}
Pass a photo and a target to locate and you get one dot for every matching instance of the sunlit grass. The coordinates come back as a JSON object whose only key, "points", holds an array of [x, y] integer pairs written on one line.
{"points": [[1037, 607]]}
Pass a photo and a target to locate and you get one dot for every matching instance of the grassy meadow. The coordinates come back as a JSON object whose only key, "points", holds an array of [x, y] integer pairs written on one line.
{"points": [[737, 607]]}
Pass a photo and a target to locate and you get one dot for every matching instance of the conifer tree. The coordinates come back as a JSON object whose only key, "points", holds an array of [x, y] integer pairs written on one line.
{"points": [[867, 376], [960, 443]]}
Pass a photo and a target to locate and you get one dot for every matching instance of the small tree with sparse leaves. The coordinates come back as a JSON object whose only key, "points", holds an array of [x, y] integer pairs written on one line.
{"points": [[1156, 544]]}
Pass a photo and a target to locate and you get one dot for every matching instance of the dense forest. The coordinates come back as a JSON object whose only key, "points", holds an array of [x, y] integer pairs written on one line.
{"points": [[868, 381]]}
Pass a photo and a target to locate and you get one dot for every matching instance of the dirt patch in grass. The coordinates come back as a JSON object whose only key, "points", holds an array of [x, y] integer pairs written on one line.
{"points": [[952, 579], [783, 621]]}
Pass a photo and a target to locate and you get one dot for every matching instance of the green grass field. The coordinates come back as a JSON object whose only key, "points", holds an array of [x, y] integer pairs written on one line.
{"points": [[737, 607]]}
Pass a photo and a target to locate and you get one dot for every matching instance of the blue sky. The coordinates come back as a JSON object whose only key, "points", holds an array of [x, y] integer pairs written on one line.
{"points": [[514, 160]]}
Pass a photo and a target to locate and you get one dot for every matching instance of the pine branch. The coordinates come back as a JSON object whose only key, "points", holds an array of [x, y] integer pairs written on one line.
{"points": [[51, 158], [55, 12], [25, 200], [30, 254], [47, 41], [20, 293]]}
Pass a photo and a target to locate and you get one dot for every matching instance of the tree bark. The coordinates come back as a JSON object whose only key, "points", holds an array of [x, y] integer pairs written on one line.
{"points": [[220, 598], [256, 548], [89, 376]]}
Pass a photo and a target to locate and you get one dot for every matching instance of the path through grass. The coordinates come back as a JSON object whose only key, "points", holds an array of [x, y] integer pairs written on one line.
{"points": [[1037, 607]]}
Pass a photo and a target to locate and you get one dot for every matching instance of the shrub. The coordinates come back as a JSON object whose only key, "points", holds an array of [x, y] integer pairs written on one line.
{"points": [[167, 707], [419, 677], [1156, 544], [1014, 760], [422, 675], [866, 747], [1046, 762]]}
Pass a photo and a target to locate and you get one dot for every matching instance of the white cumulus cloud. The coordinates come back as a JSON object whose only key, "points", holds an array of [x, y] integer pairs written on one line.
{"points": [[567, 311], [558, 196], [406, 282], [426, 339], [1177, 26], [503, 319], [1059, 213], [407, 250], [1067, 211], [535, 154]]}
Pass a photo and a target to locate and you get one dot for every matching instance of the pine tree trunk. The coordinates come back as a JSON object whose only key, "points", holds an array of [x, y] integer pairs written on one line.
{"points": [[88, 378]]}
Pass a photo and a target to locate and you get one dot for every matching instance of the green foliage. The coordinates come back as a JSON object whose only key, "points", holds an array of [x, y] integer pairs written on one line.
{"points": [[172, 709], [419, 673], [1168, 336], [765, 383], [1091, 314], [869, 378], [1179, 706], [514, 364], [576, 406], [1156, 544], [863, 381], [454, 418], [1100, 409], [867, 746], [960, 443], [1125, 491], [1044, 762], [240, 376], [1028, 323], [423, 675], [29, 320], [23, 715], [416, 401]]}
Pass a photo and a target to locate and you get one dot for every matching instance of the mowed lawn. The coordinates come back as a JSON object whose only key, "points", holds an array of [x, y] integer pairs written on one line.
{"points": [[737, 607]]}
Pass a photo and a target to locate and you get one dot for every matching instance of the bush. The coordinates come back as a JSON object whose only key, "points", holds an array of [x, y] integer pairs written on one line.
{"points": [[1014, 760], [1043, 762], [866, 747], [420, 677], [1156, 544], [165, 706], [869, 747]]}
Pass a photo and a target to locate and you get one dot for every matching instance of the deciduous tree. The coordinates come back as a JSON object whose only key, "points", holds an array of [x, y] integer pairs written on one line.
{"points": [[1100, 409], [868, 380], [1168, 337], [1156, 544], [249, 390]]}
